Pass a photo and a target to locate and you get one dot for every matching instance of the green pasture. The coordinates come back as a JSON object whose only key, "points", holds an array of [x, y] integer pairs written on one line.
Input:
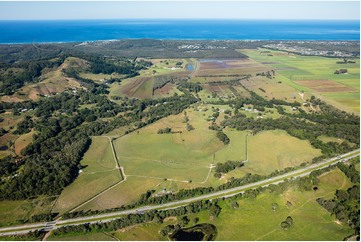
{"points": [[255, 219], [184, 156], [273, 88], [350, 100], [270, 150], [235, 150], [98, 174], [126, 192], [326, 139], [274, 150]]}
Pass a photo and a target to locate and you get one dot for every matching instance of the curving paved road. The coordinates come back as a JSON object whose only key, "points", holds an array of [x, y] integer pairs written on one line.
{"points": [[23, 229]]}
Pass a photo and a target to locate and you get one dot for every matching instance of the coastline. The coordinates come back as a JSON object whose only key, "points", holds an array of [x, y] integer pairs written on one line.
{"points": [[239, 40], [76, 31]]}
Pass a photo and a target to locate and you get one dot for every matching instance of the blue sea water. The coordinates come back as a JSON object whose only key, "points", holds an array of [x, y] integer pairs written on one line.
{"points": [[90, 30]]}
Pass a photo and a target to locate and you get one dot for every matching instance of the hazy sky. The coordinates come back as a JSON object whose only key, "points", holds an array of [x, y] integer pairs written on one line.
{"points": [[180, 9]]}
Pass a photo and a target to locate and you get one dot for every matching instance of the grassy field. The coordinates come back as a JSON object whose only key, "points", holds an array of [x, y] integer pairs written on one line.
{"points": [[326, 139], [236, 150], [150, 158], [272, 88], [273, 150], [11, 211], [182, 156], [124, 193], [351, 100], [315, 75], [98, 174], [255, 219], [185, 156]]}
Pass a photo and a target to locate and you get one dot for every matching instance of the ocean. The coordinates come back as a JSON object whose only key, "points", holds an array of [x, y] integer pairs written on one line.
{"points": [[91, 30]]}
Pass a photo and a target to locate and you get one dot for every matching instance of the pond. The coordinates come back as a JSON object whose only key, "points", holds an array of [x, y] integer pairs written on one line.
{"points": [[182, 235], [189, 67], [196, 233], [3, 148]]}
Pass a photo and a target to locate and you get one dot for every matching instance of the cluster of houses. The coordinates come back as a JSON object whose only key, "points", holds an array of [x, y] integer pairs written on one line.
{"points": [[307, 51]]}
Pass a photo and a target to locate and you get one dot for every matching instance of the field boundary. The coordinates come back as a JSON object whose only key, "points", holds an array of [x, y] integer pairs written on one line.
{"points": [[117, 166]]}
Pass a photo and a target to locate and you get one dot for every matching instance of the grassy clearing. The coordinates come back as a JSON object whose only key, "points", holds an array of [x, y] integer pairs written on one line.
{"points": [[255, 219], [23, 141], [10, 121], [164, 66], [7, 140], [98, 174], [326, 139], [12, 211], [236, 150], [100, 78], [141, 232]]}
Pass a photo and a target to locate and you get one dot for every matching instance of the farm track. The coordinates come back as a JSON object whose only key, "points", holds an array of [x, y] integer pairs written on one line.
{"points": [[123, 178], [23, 229]]}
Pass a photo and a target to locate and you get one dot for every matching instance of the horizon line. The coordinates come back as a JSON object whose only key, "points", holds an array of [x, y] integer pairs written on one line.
{"points": [[285, 19]]}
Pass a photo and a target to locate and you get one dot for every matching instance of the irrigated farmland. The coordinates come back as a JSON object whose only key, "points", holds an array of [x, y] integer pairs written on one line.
{"points": [[315, 75]]}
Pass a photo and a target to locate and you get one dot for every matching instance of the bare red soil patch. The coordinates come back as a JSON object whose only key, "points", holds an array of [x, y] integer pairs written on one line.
{"points": [[164, 90]]}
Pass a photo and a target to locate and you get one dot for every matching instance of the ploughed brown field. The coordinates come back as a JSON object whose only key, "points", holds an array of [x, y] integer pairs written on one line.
{"points": [[209, 68], [324, 86]]}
